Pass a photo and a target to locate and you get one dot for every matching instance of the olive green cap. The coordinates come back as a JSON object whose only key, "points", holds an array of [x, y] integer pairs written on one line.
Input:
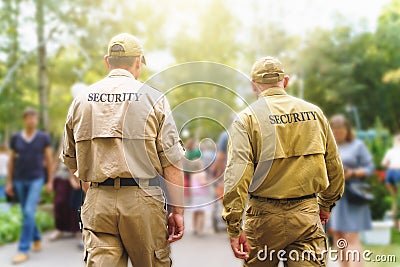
{"points": [[267, 70], [132, 47]]}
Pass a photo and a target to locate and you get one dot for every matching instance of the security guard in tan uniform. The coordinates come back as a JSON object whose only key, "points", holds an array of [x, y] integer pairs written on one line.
{"points": [[283, 157], [119, 137]]}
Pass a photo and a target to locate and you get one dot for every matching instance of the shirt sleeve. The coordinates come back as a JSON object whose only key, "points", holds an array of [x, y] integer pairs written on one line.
{"points": [[169, 145], [334, 167], [238, 175], [68, 153], [365, 159], [47, 140]]}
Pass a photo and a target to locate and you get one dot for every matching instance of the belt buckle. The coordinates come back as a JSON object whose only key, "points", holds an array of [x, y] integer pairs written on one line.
{"points": [[117, 183]]}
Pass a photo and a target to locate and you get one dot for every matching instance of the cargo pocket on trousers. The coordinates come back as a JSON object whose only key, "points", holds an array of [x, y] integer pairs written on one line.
{"points": [[162, 258], [88, 209], [157, 201]]}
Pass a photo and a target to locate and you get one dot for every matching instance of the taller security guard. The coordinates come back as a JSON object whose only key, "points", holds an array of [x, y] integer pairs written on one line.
{"points": [[283, 156], [118, 130]]}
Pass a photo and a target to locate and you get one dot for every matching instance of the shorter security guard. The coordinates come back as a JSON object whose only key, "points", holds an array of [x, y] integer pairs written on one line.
{"points": [[282, 155], [119, 137]]}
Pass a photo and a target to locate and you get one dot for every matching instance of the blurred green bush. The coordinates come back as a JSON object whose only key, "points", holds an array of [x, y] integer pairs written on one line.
{"points": [[11, 223], [378, 142], [46, 198], [382, 201]]}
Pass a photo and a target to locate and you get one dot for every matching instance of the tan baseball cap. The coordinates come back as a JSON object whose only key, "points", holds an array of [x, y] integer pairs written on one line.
{"points": [[132, 47], [267, 70]]}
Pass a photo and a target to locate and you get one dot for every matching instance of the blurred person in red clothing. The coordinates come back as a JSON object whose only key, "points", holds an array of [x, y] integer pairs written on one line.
{"points": [[67, 200], [200, 195]]}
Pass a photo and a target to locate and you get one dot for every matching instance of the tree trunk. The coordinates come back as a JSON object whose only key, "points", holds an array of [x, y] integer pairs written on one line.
{"points": [[42, 68], [11, 91]]}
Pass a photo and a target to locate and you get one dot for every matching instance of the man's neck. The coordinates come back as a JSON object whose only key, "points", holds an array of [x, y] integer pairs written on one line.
{"points": [[267, 87], [127, 69], [29, 131]]}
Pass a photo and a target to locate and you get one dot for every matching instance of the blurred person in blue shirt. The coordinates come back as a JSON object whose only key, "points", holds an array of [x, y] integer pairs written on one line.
{"points": [[391, 161], [30, 153]]}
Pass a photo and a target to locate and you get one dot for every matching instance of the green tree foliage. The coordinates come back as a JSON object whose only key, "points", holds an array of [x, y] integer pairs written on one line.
{"points": [[12, 89], [75, 31], [328, 62], [215, 41], [342, 68]]}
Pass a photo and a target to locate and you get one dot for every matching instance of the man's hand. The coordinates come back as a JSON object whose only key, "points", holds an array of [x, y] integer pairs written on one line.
{"points": [[324, 216], [237, 243], [10, 189], [48, 158], [49, 187], [175, 227], [74, 182], [348, 173]]}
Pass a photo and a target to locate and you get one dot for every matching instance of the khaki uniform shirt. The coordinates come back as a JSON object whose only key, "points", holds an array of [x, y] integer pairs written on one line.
{"points": [[280, 147], [120, 127]]}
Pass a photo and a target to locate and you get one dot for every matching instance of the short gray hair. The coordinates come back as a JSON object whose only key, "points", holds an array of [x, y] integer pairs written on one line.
{"points": [[30, 112]]}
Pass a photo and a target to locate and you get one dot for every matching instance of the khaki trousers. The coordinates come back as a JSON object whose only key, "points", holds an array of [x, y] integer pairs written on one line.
{"points": [[125, 222], [285, 230]]}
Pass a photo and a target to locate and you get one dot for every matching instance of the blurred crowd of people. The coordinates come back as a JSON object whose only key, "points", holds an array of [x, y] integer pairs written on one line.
{"points": [[204, 179]]}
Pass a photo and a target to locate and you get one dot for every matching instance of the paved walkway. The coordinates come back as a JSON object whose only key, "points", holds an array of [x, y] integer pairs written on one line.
{"points": [[212, 250]]}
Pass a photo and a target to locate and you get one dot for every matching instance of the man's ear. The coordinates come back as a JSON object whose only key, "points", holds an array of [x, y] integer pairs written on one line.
{"points": [[256, 90], [136, 65], [106, 62], [136, 68], [286, 81]]}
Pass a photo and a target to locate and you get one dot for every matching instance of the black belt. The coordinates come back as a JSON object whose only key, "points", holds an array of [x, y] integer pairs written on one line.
{"points": [[129, 182], [284, 199]]}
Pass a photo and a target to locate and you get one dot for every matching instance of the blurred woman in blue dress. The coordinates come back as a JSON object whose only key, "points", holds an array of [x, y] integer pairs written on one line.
{"points": [[349, 218]]}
